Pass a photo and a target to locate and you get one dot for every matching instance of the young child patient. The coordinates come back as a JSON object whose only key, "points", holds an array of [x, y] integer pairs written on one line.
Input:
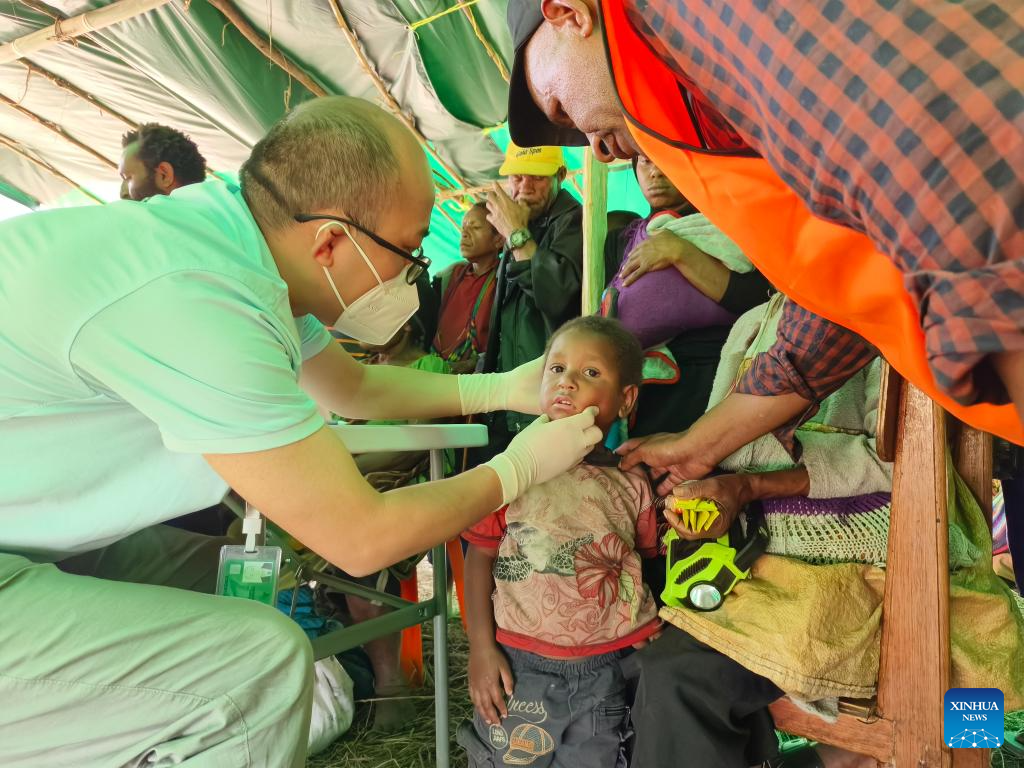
{"points": [[563, 564]]}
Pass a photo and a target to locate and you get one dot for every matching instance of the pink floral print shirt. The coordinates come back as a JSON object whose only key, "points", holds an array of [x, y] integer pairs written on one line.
{"points": [[567, 574]]}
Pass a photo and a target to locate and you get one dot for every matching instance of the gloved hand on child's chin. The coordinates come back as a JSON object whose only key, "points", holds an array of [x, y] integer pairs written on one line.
{"points": [[516, 390], [544, 450]]}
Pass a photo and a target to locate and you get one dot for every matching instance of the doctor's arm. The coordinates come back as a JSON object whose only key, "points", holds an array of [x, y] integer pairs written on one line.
{"points": [[334, 380], [313, 489]]}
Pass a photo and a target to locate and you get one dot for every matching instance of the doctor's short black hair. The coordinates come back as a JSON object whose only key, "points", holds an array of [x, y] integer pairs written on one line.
{"points": [[330, 152], [163, 144], [629, 355]]}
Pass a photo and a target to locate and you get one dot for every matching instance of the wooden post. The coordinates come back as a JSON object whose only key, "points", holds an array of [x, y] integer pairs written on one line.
{"points": [[972, 457], [67, 29], [916, 605], [595, 228]]}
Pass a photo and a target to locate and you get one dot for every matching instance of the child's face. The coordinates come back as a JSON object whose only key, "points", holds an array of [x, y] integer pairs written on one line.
{"points": [[580, 371]]}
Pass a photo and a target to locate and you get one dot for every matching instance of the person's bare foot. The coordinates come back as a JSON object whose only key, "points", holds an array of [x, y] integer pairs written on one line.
{"points": [[393, 710], [833, 757]]}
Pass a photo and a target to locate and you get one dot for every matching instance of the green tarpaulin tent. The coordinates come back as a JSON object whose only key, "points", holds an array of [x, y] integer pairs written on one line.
{"points": [[203, 66]]}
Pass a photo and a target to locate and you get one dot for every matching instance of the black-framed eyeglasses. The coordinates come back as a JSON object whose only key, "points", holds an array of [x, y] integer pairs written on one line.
{"points": [[420, 263]]}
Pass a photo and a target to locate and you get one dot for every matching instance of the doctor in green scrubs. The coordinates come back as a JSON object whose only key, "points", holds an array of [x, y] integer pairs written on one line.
{"points": [[154, 354]]}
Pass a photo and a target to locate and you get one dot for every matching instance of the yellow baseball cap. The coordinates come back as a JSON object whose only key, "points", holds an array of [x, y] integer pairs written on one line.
{"points": [[531, 161]]}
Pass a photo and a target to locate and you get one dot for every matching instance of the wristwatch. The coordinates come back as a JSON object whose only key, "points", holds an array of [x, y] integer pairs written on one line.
{"points": [[519, 238]]}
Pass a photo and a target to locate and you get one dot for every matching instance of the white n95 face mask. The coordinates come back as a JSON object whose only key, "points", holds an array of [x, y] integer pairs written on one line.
{"points": [[377, 315]]}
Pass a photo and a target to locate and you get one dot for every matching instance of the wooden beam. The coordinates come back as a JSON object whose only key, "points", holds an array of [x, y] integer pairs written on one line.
{"points": [[54, 128], [385, 94], [73, 89], [443, 212], [595, 228], [13, 146], [873, 738], [55, 14], [68, 29]]}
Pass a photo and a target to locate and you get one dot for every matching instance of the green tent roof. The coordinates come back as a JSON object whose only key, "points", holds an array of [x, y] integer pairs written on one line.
{"points": [[185, 64]]}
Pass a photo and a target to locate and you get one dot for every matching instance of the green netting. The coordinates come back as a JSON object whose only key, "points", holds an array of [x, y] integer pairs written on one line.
{"points": [[464, 77]]}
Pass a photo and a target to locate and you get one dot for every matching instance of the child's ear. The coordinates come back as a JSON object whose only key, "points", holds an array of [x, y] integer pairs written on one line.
{"points": [[629, 396]]}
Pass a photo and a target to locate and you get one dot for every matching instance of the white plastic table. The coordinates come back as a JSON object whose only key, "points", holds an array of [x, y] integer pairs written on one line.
{"points": [[434, 438]]}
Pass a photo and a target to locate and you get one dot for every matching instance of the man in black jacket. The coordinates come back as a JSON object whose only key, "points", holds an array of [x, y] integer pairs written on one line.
{"points": [[540, 273]]}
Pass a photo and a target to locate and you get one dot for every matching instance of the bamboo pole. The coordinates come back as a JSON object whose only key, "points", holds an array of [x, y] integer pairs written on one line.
{"points": [[448, 216], [57, 16], [481, 189], [43, 9], [257, 40], [10, 144], [502, 69], [54, 128], [68, 29], [385, 94], [64, 85], [595, 228]]}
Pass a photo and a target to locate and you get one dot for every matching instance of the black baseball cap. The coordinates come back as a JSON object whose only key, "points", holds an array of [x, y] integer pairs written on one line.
{"points": [[527, 124]]}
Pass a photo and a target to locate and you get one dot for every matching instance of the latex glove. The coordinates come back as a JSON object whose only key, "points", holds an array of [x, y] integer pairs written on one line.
{"points": [[543, 450], [516, 390]]}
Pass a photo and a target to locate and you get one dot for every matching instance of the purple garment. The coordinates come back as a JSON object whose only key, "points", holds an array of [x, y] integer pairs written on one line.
{"points": [[660, 305], [838, 508]]}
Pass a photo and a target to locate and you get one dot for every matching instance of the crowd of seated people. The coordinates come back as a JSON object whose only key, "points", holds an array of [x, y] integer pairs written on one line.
{"points": [[701, 314]]}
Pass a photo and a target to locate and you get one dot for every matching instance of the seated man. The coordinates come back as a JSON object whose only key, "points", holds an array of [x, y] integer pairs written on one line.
{"points": [[808, 623], [541, 269], [158, 160], [467, 293]]}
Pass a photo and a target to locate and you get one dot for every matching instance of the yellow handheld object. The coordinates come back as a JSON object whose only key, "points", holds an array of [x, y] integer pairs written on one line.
{"points": [[696, 515]]}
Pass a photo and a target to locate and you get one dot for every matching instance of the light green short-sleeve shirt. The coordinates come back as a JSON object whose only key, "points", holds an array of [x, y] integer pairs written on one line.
{"points": [[133, 338]]}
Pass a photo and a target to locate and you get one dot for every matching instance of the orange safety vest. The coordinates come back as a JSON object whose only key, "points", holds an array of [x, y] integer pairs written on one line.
{"points": [[828, 269]]}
